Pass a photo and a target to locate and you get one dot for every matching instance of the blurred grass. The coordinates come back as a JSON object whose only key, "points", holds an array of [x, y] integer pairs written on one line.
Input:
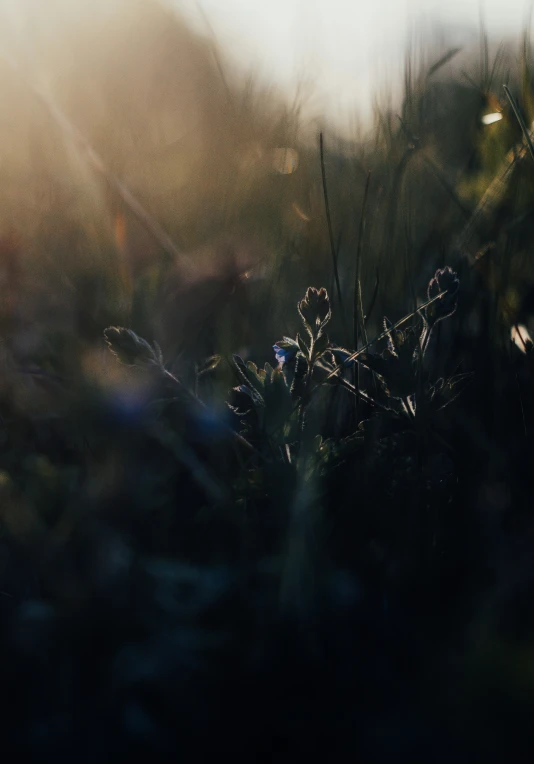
{"points": [[119, 495], [196, 148], [193, 142]]}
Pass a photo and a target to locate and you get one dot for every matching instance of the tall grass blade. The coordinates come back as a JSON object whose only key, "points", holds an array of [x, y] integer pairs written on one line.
{"points": [[519, 117], [330, 231], [449, 55]]}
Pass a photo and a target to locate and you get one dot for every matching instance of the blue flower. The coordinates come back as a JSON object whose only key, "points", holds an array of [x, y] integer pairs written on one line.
{"points": [[282, 355], [285, 351]]}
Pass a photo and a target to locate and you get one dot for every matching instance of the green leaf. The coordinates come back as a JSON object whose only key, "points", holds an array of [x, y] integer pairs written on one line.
{"points": [[130, 349], [268, 371], [259, 375], [288, 342], [209, 364], [303, 347], [305, 321], [320, 345], [248, 376]]}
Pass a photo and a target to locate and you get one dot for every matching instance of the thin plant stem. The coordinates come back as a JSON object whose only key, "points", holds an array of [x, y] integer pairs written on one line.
{"points": [[358, 302], [359, 318], [330, 230], [520, 119]]}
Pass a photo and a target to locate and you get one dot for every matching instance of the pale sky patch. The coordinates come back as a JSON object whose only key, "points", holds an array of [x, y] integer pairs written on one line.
{"points": [[348, 48]]}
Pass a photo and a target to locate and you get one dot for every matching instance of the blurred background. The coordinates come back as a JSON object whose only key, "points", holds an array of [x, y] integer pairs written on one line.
{"points": [[186, 171], [209, 116], [346, 50]]}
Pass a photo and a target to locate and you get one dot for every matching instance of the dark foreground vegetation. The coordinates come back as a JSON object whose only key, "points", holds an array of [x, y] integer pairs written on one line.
{"points": [[241, 516]]}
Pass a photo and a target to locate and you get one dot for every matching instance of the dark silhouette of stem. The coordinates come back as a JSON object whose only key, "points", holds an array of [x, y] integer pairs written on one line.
{"points": [[330, 232]]}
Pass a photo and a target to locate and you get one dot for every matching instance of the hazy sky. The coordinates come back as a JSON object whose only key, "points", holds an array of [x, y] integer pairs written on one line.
{"points": [[345, 46]]}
